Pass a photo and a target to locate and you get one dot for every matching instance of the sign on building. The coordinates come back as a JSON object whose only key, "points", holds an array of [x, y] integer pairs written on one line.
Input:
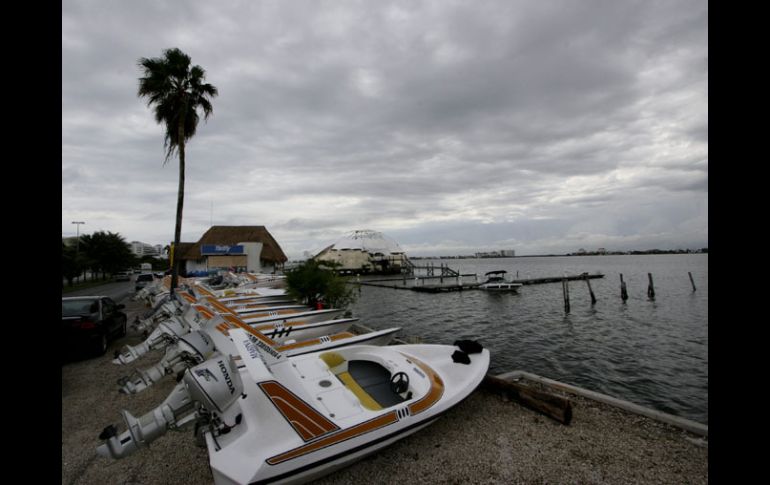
{"points": [[219, 249]]}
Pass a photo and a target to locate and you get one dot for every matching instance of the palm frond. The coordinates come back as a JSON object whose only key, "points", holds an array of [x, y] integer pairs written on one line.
{"points": [[175, 90]]}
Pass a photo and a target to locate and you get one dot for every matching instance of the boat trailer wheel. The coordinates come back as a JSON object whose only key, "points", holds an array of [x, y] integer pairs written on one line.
{"points": [[399, 382]]}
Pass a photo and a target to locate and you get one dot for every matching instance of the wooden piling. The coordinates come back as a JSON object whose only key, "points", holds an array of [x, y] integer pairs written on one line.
{"points": [[650, 287], [590, 290], [565, 291], [623, 292], [691, 281]]}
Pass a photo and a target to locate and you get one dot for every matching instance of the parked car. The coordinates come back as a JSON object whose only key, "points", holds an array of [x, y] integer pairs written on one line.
{"points": [[143, 280], [91, 322], [123, 276]]}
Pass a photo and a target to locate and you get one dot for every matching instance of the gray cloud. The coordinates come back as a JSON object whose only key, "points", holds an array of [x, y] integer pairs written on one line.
{"points": [[451, 125]]}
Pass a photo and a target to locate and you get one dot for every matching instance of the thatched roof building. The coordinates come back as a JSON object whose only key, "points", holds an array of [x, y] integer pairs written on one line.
{"points": [[181, 251], [257, 249]]}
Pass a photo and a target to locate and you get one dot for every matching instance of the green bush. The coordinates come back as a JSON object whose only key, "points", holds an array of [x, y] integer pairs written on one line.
{"points": [[314, 281]]}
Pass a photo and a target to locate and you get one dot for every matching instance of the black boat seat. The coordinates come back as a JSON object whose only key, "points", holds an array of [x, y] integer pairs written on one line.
{"points": [[368, 381]]}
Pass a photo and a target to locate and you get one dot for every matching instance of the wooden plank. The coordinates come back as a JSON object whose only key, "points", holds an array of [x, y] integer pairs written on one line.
{"points": [[555, 407]]}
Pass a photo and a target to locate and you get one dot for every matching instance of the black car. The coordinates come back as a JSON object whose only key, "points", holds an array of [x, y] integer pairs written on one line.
{"points": [[143, 280], [91, 322]]}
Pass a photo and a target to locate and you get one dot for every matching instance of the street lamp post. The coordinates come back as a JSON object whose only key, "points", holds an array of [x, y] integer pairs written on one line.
{"points": [[77, 240]]}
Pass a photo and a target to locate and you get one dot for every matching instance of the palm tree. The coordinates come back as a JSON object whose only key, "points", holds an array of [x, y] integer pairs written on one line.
{"points": [[177, 91]]}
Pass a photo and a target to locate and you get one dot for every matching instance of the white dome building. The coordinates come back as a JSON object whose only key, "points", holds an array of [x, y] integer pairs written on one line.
{"points": [[365, 251]]}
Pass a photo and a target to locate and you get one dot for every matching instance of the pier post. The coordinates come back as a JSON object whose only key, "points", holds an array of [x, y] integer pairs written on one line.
{"points": [[565, 291], [590, 291], [691, 281], [623, 292], [650, 288]]}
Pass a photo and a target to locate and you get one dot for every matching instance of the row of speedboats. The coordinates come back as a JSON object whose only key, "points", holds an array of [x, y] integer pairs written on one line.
{"points": [[280, 392]]}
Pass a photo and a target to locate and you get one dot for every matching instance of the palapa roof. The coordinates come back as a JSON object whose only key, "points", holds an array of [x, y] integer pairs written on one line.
{"points": [[230, 235], [181, 251]]}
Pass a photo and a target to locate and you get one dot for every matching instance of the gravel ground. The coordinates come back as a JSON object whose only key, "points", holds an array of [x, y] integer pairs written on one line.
{"points": [[483, 440]]}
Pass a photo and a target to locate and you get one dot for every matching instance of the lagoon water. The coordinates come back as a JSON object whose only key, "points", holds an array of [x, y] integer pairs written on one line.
{"points": [[650, 352]]}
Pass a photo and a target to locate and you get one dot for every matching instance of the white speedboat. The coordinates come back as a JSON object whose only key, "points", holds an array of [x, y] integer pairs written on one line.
{"points": [[292, 419], [195, 347], [496, 281]]}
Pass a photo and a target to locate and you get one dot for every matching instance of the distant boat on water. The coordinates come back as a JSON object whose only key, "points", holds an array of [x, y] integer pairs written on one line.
{"points": [[496, 281]]}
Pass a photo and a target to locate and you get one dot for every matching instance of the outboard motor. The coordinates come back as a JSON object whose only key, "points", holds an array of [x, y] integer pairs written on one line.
{"points": [[207, 394], [166, 333], [189, 350]]}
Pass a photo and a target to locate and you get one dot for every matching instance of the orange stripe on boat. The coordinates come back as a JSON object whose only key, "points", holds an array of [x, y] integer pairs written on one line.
{"points": [[273, 326], [431, 397], [435, 392], [204, 311], [276, 313], [338, 437], [237, 322], [220, 307], [308, 343], [306, 421]]}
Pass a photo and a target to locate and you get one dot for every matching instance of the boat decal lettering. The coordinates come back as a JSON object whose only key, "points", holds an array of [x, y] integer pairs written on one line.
{"points": [[267, 348], [308, 423], [336, 438], [226, 374], [261, 340], [253, 352]]}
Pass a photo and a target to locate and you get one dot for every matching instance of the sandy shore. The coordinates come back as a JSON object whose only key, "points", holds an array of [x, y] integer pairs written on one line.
{"points": [[483, 440]]}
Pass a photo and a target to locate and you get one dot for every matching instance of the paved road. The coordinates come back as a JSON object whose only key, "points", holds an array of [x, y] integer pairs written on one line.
{"points": [[117, 290]]}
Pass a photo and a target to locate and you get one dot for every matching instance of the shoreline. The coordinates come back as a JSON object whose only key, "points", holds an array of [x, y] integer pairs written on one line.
{"points": [[485, 439]]}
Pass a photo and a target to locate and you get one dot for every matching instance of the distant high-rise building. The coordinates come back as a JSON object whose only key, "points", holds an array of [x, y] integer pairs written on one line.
{"points": [[507, 253], [143, 249]]}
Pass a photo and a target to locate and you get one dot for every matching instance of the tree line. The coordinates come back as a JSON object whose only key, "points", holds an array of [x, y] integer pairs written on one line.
{"points": [[101, 253]]}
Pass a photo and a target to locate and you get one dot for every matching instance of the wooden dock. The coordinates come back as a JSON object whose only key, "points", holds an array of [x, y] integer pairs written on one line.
{"points": [[457, 284], [444, 288], [558, 279]]}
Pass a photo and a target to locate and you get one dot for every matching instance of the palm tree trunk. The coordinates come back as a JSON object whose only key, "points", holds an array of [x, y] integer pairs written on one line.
{"points": [[179, 206]]}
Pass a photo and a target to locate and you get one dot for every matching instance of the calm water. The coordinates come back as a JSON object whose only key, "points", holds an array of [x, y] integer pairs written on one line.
{"points": [[653, 353]]}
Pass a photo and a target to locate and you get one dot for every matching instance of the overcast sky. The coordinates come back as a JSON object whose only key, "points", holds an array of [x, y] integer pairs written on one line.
{"points": [[451, 126]]}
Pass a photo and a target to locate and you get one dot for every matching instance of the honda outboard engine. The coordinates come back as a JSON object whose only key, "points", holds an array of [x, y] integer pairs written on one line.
{"points": [[207, 395], [167, 333], [189, 350]]}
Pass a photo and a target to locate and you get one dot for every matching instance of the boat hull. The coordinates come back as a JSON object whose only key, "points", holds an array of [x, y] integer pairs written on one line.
{"points": [[267, 450]]}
